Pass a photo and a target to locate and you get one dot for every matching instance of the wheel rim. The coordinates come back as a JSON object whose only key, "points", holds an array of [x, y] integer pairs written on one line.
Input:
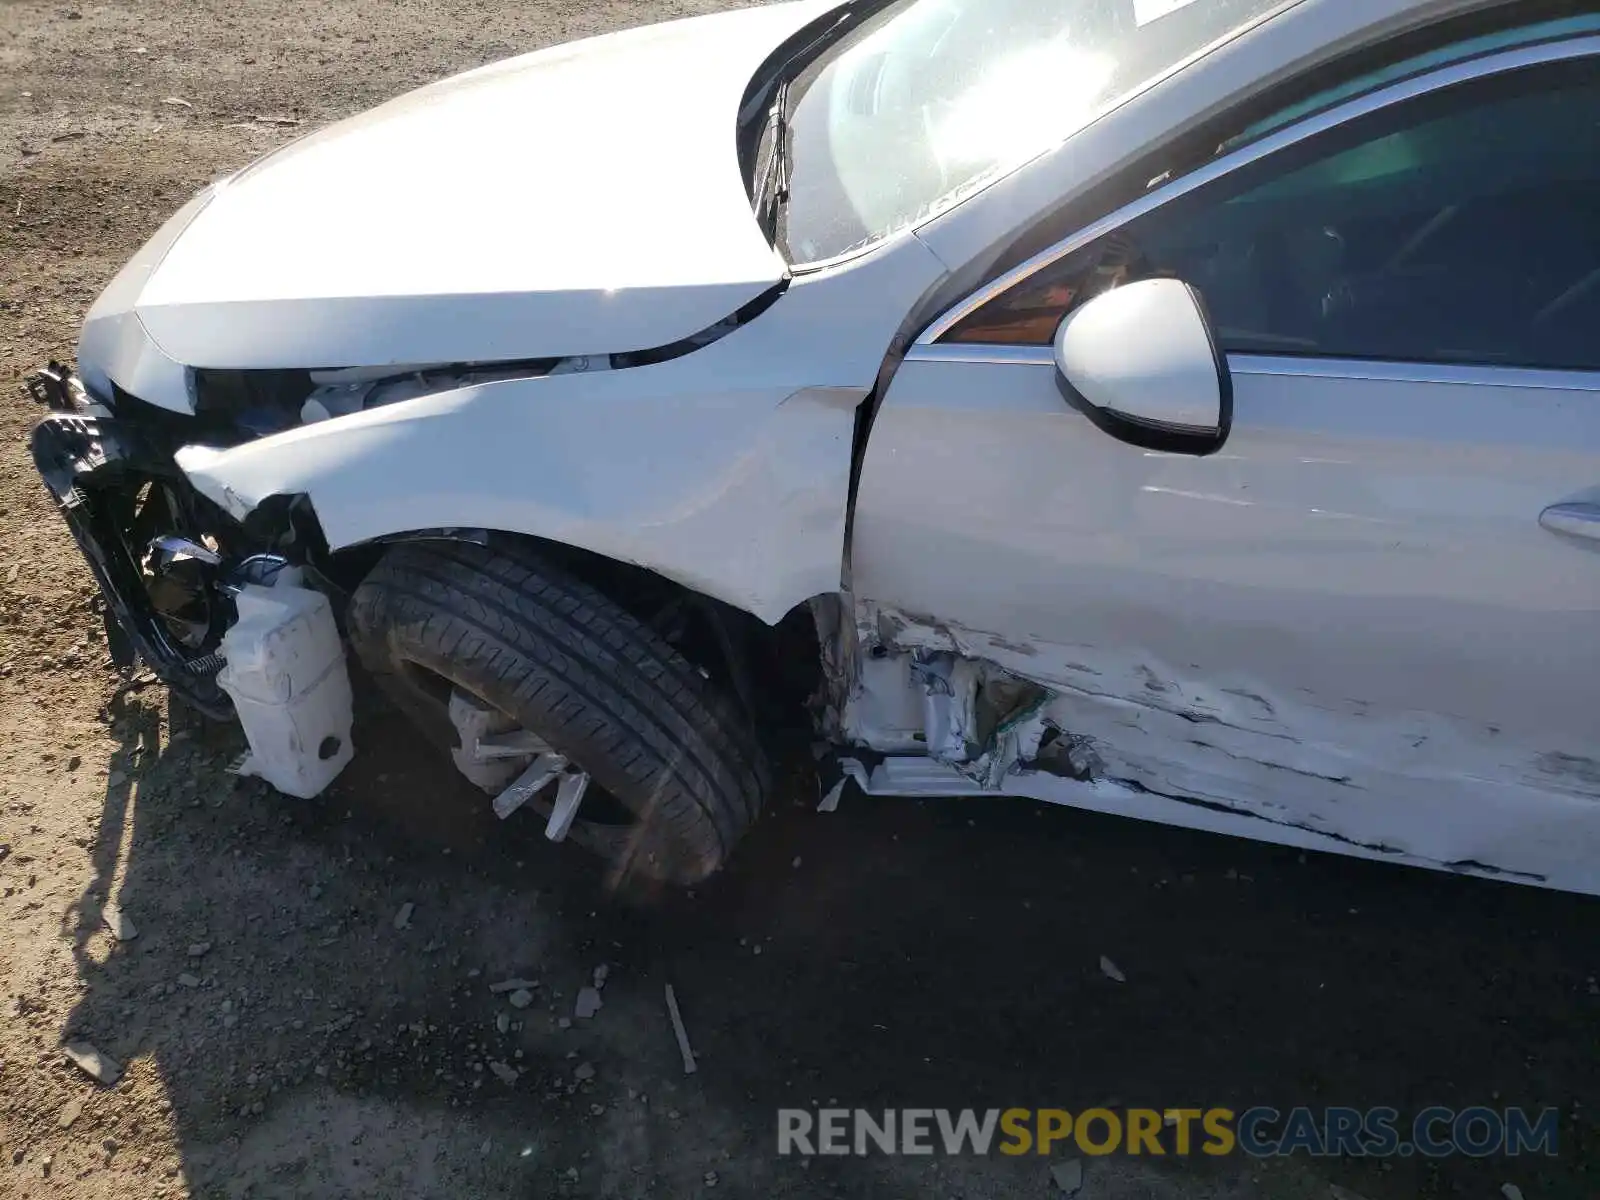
{"points": [[497, 754]]}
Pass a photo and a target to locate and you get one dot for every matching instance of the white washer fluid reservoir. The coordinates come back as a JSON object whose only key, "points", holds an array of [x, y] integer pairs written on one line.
{"points": [[285, 671]]}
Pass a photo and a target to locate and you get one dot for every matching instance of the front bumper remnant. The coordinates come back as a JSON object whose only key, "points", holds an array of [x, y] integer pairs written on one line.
{"points": [[85, 456]]}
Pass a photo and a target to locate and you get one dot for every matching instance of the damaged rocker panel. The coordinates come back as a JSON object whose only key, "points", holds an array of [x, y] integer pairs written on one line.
{"points": [[959, 711]]}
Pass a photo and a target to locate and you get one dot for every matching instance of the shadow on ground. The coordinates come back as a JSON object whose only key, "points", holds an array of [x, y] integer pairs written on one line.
{"points": [[894, 953]]}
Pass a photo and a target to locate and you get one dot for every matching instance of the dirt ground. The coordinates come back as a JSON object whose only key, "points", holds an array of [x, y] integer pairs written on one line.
{"points": [[284, 1036]]}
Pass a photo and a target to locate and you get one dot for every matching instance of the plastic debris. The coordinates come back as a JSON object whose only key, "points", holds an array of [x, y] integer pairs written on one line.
{"points": [[851, 769], [680, 1032]]}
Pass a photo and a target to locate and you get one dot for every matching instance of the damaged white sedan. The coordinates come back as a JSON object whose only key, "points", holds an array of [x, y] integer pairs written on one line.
{"points": [[1183, 409]]}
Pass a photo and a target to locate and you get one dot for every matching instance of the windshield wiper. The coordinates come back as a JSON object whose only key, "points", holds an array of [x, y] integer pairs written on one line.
{"points": [[772, 189]]}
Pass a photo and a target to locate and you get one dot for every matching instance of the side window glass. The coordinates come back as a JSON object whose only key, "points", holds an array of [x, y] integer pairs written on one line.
{"points": [[1460, 228]]}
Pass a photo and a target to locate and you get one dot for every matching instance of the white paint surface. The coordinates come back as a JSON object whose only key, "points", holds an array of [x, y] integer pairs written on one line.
{"points": [[583, 199], [1345, 630], [726, 469], [1356, 588], [1143, 351]]}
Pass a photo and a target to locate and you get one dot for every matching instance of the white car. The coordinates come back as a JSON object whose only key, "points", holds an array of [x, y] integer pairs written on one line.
{"points": [[1182, 409]]}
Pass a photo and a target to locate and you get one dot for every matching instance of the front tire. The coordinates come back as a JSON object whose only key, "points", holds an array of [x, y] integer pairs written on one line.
{"points": [[557, 657]]}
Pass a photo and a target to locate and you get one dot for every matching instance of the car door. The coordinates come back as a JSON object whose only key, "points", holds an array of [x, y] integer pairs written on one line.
{"points": [[1371, 612]]}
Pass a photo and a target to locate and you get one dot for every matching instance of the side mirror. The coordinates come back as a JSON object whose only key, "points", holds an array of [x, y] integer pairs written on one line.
{"points": [[1141, 362]]}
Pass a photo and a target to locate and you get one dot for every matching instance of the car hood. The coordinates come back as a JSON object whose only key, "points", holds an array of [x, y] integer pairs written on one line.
{"points": [[582, 199]]}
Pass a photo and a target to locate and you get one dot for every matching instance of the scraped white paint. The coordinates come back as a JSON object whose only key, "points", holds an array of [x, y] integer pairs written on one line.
{"points": [[900, 776], [1225, 752]]}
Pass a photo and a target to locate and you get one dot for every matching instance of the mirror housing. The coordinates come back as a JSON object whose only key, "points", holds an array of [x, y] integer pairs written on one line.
{"points": [[1142, 363]]}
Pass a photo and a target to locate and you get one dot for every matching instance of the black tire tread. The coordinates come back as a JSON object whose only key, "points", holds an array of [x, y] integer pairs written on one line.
{"points": [[587, 676]]}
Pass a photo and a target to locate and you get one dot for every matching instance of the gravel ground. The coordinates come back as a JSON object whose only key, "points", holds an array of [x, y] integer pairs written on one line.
{"points": [[284, 1035]]}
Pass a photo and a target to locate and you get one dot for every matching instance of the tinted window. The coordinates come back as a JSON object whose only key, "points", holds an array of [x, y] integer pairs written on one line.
{"points": [[1462, 228]]}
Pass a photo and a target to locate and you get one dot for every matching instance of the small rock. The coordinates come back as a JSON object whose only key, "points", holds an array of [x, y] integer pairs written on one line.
{"points": [[601, 974], [521, 998], [1511, 1191], [583, 1072], [70, 1112], [1111, 971], [97, 1066], [588, 1003], [564, 1023], [504, 1073], [199, 949], [513, 985], [502, 1022], [402, 919], [1068, 1176], [189, 981], [1339, 1193], [711, 1179], [484, 1149], [596, 1110], [117, 921], [796, 863]]}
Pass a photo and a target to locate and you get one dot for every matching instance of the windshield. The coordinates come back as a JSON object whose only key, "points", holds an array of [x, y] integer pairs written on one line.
{"points": [[930, 99]]}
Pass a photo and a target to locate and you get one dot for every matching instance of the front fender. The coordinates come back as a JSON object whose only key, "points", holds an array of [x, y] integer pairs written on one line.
{"points": [[738, 494]]}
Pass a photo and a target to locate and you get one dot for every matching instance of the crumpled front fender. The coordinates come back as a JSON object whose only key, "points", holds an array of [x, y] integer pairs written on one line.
{"points": [[740, 495]]}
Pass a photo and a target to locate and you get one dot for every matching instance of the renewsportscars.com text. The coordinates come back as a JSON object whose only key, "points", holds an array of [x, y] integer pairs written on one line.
{"points": [[1259, 1132]]}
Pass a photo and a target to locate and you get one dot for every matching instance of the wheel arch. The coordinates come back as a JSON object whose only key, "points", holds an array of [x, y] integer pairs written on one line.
{"points": [[771, 668], [739, 496]]}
